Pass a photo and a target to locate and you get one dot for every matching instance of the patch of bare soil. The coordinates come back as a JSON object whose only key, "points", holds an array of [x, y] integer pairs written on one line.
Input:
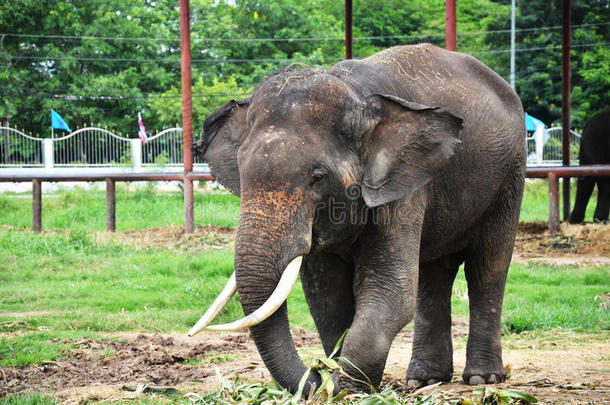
{"points": [[574, 244], [173, 237], [557, 367], [108, 369]]}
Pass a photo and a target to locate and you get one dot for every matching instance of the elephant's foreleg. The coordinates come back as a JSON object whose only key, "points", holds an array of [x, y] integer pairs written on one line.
{"points": [[584, 188], [328, 286], [432, 355], [602, 210], [385, 289]]}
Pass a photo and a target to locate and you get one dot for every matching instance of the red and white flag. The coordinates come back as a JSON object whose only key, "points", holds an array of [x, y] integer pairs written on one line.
{"points": [[141, 130]]}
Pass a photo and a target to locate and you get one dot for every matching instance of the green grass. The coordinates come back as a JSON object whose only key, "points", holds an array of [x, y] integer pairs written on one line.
{"points": [[31, 348], [29, 399], [543, 297], [535, 205], [81, 209], [70, 287], [65, 287]]}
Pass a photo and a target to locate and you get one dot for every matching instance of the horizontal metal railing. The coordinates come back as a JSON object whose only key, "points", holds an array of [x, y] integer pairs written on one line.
{"points": [[552, 173], [109, 178]]}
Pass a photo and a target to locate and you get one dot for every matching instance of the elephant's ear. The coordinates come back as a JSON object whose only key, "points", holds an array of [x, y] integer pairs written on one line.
{"points": [[408, 145], [223, 133]]}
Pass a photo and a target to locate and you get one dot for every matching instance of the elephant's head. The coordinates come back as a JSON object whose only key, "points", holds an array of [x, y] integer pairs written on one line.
{"points": [[298, 153]]}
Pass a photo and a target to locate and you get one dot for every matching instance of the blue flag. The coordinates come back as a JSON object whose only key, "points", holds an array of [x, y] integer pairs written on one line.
{"points": [[531, 123], [57, 122]]}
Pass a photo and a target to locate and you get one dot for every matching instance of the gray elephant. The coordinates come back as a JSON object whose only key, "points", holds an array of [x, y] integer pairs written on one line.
{"points": [[594, 149], [375, 180]]}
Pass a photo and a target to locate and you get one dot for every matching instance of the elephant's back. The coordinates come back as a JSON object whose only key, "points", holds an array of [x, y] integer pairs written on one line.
{"points": [[432, 76]]}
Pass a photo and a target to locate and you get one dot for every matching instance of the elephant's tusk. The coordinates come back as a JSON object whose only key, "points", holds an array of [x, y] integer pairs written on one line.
{"points": [[281, 292], [219, 303]]}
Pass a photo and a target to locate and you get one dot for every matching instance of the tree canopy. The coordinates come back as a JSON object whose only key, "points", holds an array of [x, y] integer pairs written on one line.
{"points": [[103, 61]]}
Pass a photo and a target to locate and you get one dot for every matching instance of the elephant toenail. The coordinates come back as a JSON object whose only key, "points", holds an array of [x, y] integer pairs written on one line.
{"points": [[413, 383], [476, 380], [431, 381], [493, 379]]}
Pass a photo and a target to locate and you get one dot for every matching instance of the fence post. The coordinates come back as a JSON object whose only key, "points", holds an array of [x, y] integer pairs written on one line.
{"points": [[6, 142], [553, 203], [110, 206], [136, 153], [36, 205], [47, 153], [187, 114]]}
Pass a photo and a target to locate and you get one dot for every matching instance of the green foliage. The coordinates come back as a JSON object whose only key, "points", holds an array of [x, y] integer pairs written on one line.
{"points": [[209, 97], [539, 70], [240, 391], [82, 89], [115, 58]]}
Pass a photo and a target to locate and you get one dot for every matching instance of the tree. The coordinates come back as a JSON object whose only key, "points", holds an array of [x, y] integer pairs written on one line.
{"points": [[103, 61], [86, 72], [206, 98]]}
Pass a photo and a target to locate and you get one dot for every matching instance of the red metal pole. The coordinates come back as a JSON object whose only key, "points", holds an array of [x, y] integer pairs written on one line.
{"points": [[565, 101], [187, 114], [450, 26], [349, 41]]}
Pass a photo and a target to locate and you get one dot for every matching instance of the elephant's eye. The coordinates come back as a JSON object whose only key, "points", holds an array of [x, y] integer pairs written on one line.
{"points": [[318, 174]]}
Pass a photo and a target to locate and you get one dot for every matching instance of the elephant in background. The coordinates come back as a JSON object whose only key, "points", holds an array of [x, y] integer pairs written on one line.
{"points": [[594, 150], [374, 180]]}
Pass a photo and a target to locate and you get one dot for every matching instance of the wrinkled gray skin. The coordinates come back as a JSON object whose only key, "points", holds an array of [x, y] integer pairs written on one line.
{"points": [[594, 150], [387, 173]]}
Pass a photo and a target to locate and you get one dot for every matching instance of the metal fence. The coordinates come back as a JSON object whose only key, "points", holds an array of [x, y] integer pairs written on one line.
{"points": [[544, 148], [19, 149], [91, 147], [164, 149]]}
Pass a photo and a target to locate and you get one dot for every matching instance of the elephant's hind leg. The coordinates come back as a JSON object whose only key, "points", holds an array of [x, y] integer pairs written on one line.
{"points": [[432, 355], [487, 259], [602, 210], [584, 188], [327, 282]]}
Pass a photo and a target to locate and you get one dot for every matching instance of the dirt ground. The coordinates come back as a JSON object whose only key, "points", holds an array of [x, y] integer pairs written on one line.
{"points": [[557, 366]]}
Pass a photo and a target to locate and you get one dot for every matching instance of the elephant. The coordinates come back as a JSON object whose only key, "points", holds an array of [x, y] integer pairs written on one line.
{"points": [[594, 149], [374, 180]]}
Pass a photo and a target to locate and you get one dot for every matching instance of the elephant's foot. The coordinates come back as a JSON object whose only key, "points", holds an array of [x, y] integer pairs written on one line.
{"points": [[425, 372], [489, 375], [351, 384]]}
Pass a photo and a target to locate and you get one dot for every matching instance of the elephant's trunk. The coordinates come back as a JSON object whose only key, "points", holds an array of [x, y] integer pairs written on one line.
{"points": [[273, 229]]}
